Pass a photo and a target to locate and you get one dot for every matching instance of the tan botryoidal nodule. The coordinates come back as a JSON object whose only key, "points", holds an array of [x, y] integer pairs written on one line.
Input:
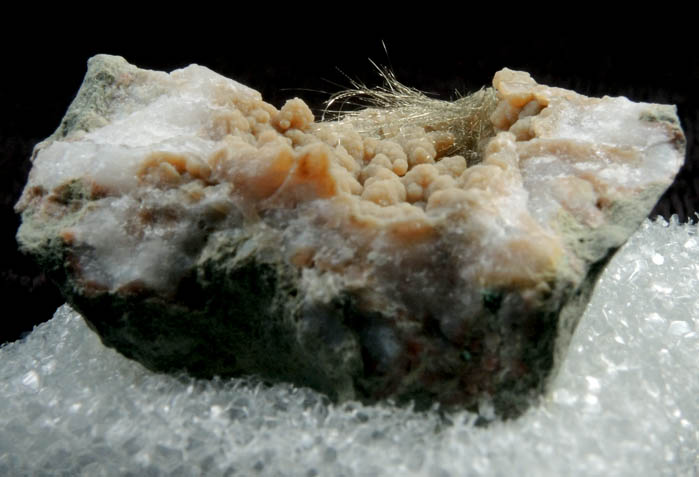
{"points": [[390, 109]]}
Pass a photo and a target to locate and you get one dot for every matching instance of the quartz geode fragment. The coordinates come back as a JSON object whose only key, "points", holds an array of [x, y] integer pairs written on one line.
{"points": [[199, 228]]}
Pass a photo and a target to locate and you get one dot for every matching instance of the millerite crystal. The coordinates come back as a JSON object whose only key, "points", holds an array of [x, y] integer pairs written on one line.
{"points": [[392, 253]]}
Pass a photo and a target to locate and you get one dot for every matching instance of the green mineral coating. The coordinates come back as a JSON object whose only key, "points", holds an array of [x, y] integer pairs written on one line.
{"points": [[667, 115], [492, 300], [99, 95], [72, 192]]}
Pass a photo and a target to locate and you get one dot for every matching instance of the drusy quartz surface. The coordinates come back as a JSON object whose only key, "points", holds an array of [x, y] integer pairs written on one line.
{"points": [[197, 227]]}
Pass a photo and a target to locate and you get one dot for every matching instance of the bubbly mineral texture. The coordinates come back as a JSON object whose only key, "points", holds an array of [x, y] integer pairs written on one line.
{"points": [[198, 228]]}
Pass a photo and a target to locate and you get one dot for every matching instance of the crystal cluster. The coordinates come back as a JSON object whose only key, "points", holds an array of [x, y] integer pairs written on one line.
{"points": [[198, 228]]}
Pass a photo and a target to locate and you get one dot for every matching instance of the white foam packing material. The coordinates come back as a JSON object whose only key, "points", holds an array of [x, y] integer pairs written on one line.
{"points": [[625, 402]]}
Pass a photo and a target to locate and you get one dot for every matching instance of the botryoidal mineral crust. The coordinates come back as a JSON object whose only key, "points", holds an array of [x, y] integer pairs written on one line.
{"points": [[198, 228]]}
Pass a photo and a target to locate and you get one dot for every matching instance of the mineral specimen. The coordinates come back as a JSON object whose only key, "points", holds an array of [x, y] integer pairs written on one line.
{"points": [[198, 228]]}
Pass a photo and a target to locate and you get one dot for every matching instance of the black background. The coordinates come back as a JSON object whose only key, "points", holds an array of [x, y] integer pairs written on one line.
{"points": [[42, 72]]}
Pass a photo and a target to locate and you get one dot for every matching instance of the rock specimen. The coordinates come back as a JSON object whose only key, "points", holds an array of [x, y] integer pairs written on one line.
{"points": [[199, 228]]}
